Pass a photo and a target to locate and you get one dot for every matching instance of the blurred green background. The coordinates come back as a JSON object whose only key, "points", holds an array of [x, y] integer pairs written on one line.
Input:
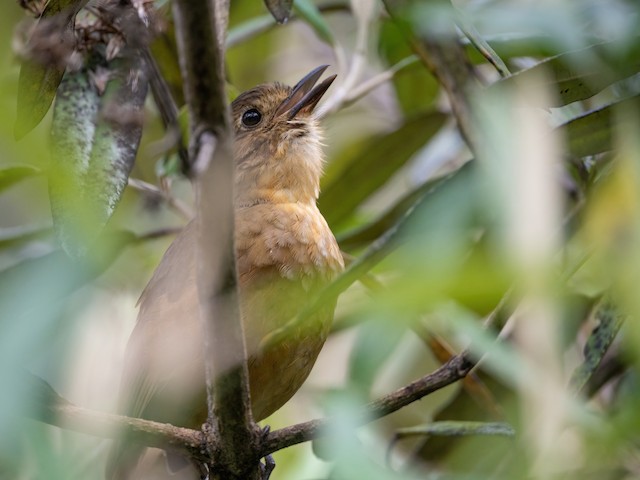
{"points": [[533, 214]]}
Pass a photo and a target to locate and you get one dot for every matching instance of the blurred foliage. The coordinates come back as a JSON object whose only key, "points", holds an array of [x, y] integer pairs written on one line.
{"points": [[50, 40], [535, 230]]}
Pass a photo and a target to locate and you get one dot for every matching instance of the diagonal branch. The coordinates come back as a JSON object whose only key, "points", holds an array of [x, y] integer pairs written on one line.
{"points": [[452, 371]]}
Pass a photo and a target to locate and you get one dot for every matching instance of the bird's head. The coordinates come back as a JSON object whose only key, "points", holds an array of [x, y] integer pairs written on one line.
{"points": [[278, 150]]}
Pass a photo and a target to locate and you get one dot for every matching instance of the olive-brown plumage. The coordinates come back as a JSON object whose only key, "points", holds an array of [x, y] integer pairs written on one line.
{"points": [[285, 252]]}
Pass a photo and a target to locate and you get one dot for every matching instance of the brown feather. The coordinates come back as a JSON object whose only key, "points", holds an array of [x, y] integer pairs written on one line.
{"points": [[285, 253]]}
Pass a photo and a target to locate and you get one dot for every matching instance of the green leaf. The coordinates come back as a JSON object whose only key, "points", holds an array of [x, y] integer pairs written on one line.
{"points": [[280, 9], [30, 292], [249, 29], [579, 74], [416, 89], [23, 234], [481, 44], [37, 87], [35, 323], [304, 9], [117, 136], [39, 79], [610, 320], [73, 128], [9, 176], [376, 161], [164, 51], [365, 234], [458, 428], [514, 45], [312, 16], [375, 342], [94, 144], [592, 132], [39, 275]]}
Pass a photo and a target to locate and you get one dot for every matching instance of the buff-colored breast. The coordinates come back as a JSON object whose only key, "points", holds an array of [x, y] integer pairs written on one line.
{"points": [[285, 254]]}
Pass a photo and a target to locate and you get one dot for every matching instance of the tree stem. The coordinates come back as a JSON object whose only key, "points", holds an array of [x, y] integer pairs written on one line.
{"points": [[232, 435]]}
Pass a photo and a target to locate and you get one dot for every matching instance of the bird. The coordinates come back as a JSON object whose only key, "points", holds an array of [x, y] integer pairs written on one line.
{"points": [[285, 253]]}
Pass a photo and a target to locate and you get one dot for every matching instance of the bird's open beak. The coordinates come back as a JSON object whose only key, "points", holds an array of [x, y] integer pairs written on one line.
{"points": [[305, 96]]}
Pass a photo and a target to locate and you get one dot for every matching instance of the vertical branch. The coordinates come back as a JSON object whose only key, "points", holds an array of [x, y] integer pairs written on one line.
{"points": [[202, 63], [231, 432]]}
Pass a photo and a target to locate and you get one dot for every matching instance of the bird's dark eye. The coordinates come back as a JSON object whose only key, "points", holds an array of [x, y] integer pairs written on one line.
{"points": [[251, 118]]}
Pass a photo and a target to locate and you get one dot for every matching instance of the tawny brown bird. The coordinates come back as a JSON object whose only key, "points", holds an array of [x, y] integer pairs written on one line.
{"points": [[285, 252]]}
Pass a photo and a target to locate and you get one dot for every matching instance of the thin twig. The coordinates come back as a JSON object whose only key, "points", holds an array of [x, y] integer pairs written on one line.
{"points": [[176, 204], [355, 70], [452, 371], [366, 87], [438, 347], [472, 383]]}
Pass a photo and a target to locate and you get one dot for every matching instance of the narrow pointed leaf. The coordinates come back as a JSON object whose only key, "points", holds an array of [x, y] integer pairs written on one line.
{"points": [[9, 176], [39, 78], [74, 123], [577, 75], [592, 132], [117, 137], [22, 234], [310, 13], [366, 171], [365, 234], [95, 140], [458, 428], [249, 29], [54, 276], [610, 320], [37, 87]]}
